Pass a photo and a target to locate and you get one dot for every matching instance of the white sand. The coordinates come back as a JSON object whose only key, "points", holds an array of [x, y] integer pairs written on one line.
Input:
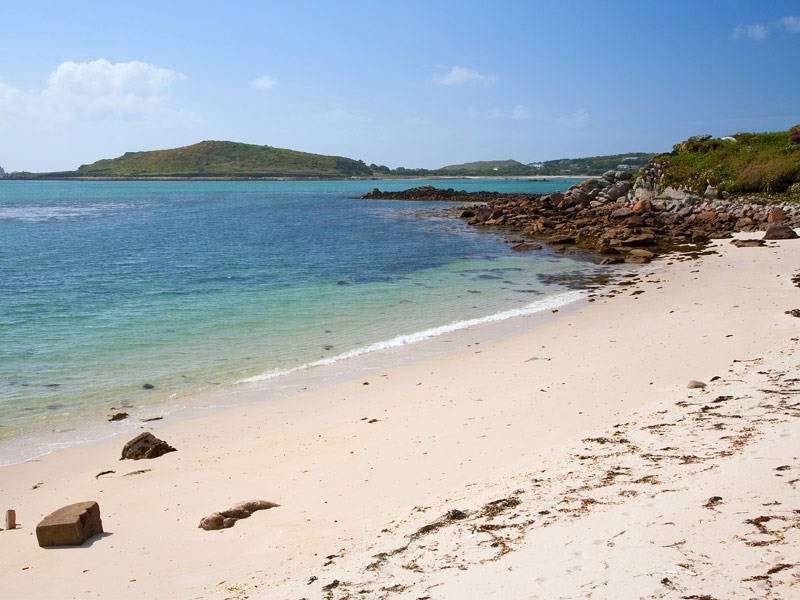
{"points": [[625, 519]]}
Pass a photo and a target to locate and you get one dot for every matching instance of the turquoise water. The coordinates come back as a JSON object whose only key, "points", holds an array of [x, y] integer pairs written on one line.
{"points": [[107, 286]]}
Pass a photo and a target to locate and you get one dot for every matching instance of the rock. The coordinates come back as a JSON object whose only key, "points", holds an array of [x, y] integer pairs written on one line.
{"points": [[779, 231], [712, 193], [561, 240], [642, 206], [148, 386], [776, 215], [118, 416], [699, 138], [612, 260], [695, 385], [467, 214], [525, 246], [748, 243], [641, 252], [227, 518], [636, 260], [70, 526], [643, 239], [11, 519], [621, 213], [145, 445]]}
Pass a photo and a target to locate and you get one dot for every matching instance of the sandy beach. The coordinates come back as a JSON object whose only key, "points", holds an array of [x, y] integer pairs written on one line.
{"points": [[569, 460]]}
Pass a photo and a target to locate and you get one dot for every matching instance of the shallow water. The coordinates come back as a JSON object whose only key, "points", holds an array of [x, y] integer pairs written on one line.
{"points": [[185, 286]]}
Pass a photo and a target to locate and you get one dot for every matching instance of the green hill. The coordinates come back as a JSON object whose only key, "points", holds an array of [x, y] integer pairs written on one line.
{"points": [[592, 165], [742, 163], [224, 159], [482, 166]]}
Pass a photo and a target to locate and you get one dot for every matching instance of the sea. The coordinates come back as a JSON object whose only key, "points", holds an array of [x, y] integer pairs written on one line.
{"points": [[138, 296]]}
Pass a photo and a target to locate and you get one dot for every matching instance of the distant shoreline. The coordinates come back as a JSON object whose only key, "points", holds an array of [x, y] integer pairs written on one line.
{"points": [[537, 178]]}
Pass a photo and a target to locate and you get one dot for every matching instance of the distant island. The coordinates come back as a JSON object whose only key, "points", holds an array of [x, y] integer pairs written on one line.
{"points": [[234, 160], [743, 163]]}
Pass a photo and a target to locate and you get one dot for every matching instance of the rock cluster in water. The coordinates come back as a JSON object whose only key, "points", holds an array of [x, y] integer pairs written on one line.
{"points": [[622, 220]]}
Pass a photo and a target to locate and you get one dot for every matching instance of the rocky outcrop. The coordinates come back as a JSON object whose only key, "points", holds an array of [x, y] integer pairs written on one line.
{"points": [[612, 216], [228, 518], [145, 445], [70, 526]]}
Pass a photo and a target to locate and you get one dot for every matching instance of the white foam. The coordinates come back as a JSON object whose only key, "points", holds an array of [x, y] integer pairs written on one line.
{"points": [[544, 304]]}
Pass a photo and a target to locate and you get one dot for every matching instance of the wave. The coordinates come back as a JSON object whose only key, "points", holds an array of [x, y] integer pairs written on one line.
{"points": [[544, 304]]}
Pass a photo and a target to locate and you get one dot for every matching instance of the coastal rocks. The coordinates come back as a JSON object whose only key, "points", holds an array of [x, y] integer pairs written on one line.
{"points": [[748, 243], [145, 445], [525, 246], [776, 215], [70, 526], [228, 518], [779, 231]]}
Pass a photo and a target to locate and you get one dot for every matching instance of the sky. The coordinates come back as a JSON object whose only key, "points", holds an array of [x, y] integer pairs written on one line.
{"points": [[412, 84]]}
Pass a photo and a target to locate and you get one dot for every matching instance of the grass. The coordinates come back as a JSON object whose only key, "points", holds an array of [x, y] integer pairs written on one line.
{"points": [[224, 159], [765, 163]]}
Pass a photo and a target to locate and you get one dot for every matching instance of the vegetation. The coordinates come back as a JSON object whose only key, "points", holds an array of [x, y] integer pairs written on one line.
{"points": [[764, 163], [593, 165], [218, 159]]}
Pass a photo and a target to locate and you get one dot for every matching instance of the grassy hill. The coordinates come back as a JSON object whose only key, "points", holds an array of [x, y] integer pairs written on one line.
{"points": [[482, 166], [224, 159], [742, 163], [593, 165]]}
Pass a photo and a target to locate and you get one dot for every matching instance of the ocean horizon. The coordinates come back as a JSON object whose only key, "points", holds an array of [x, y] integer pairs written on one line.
{"points": [[120, 296]]}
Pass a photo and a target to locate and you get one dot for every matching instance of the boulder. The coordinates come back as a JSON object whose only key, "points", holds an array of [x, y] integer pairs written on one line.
{"points": [[642, 239], [228, 518], [145, 445], [621, 213], [779, 231], [642, 206], [561, 239], [70, 526], [642, 253], [525, 246], [748, 243], [776, 215], [712, 193]]}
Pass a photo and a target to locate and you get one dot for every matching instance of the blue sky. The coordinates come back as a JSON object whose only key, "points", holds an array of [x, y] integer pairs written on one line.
{"points": [[414, 84]]}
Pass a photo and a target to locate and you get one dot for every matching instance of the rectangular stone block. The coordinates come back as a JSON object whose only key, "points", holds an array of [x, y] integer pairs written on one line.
{"points": [[70, 526], [11, 519]]}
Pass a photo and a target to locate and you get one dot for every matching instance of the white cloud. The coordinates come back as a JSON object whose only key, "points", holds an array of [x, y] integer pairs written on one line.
{"points": [[264, 83], [520, 111], [576, 119], [461, 75], [755, 31], [791, 23], [95, 89]]}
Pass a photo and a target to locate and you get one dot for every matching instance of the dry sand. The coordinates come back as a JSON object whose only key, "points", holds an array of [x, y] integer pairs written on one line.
{"points": [[569, 461]]}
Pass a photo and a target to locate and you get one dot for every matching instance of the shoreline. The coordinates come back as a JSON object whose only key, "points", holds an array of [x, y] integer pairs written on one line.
{"points": [[354, 458], [533, 178], [276, 385]]}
